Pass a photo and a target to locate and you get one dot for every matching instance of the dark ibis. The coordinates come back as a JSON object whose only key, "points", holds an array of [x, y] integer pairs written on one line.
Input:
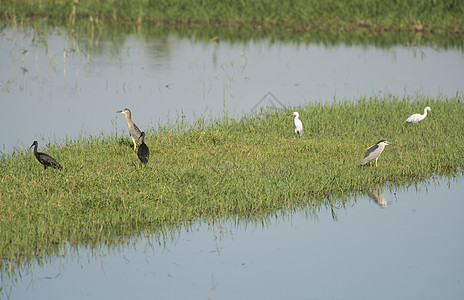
{"points": [[45, 159], [143, 153]]}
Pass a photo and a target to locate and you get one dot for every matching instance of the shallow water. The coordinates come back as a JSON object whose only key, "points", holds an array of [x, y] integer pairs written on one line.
{"points": [[54, 85], [410, 247]]}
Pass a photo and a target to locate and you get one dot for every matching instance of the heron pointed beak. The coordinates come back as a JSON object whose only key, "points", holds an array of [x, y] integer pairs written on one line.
{"points": [[119, 111]]}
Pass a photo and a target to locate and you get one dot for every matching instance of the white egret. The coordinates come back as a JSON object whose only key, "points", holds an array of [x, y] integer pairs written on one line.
{"points": [[418, 117], [297, 124]]}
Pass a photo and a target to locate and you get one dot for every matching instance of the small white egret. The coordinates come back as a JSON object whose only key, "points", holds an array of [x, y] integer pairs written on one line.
{"points": [[297, 124], [418, 117], [374, 152]]}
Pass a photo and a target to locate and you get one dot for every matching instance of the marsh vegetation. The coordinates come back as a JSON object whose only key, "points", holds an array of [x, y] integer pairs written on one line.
{"points": [[293, 16], [221, 168], [212, 168]]}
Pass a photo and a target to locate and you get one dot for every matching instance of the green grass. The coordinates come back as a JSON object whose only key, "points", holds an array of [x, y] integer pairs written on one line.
{"points": [[374, 16], [220, 169]]}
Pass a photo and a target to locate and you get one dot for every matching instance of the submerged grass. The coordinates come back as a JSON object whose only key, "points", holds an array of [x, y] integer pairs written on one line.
{"points": [[220, 168]]}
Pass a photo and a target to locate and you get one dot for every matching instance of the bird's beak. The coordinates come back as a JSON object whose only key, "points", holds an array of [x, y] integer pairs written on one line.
{"points": [[119, 111], [390, 144], [290, 114], [31, 146]]}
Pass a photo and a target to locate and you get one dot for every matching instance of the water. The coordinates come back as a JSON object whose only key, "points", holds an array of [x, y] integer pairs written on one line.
{"points": [[410, 247], [406, 246], [55, 86]]}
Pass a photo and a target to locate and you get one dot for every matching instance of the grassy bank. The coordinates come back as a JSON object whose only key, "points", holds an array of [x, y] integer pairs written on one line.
{"points": [[375, 16], [225, 168]]}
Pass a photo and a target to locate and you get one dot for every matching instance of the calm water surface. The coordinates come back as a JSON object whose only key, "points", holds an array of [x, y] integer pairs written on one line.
{"points": [[408, 248], [53, 85]]}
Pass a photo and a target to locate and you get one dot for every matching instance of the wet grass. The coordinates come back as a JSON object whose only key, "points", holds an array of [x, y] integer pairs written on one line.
{"points": [[220, 168], [373, 16]]}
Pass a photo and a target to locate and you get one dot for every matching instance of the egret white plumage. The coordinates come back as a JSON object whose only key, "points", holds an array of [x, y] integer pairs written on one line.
{"points": [[374, 152], [297, 124], [418, 117]]}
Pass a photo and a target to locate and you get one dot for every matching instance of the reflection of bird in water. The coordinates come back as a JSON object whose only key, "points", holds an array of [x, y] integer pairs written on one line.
{"points": [[143, 153], [297, 124], [418, 117], [45, 159], [377, 196], [134, 131], [374, 152]]}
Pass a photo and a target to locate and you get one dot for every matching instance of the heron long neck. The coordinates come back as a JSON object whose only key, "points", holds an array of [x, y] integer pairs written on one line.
{"points": [[129, 120], [425, 112], [35, 149]]}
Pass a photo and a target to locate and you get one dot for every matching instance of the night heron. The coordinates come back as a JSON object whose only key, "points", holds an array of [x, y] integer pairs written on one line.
{"points": [[374, 152], [143, 153], [418, 117], [45, 159], [134, 131], [297, 125]]}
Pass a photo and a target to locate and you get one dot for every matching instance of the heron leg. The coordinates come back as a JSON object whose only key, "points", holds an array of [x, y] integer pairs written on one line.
{"points": [[133, 140], [376, 162]]}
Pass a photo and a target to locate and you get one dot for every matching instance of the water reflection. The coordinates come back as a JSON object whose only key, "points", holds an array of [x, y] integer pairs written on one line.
{"points": [[376, 194], [58, 84], [300, 253]]}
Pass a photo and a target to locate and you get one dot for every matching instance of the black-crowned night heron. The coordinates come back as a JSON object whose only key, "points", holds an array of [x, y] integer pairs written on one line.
{"points": [[134, 131], [374, 152], [45, 159], [143, 153], [297, 125], [418, 117]]}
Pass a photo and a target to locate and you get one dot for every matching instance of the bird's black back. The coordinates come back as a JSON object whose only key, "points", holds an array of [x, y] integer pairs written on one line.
{"points": [[47, 161], [371, 149]]}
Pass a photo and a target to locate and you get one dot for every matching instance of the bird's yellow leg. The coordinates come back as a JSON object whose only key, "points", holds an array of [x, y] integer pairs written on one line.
{"points": [[133, 141], [376, 163]]}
